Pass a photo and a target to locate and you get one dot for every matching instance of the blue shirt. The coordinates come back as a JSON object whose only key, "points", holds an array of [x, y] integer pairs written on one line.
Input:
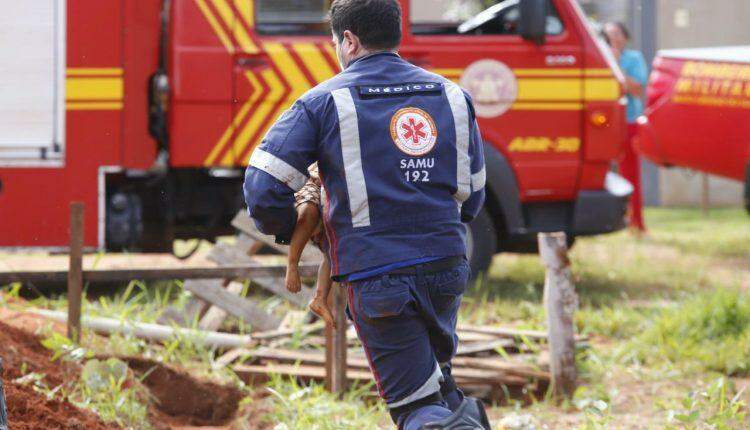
{"points": [[633, 65]]}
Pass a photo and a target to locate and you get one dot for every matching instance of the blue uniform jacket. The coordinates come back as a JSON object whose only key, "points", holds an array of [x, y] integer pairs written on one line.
{"points": [[399, 155]]}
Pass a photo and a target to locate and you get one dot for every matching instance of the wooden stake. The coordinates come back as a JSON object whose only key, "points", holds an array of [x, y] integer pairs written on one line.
{"points": [[336, 342], [75, 271], [561, 301]]}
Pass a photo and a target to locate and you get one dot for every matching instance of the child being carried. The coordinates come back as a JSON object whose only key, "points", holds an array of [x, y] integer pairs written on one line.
{"points": [[310, 228]]}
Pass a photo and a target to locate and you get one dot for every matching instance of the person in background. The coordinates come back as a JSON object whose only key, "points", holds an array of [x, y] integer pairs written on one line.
{"points": [[634, 67]]}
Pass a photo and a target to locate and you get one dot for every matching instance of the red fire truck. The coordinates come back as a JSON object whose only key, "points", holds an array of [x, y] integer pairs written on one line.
{"points": [[147, 111], [698, 111]]}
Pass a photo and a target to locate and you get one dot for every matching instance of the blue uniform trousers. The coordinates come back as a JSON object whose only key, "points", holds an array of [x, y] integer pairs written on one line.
{"points": [[407, 325]]}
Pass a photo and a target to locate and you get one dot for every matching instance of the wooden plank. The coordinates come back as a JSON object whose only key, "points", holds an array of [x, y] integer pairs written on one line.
{"points": [[246, 371], [336, 342], [240, 252], [304, 330], [183, 316], [211, 291], [243, 223], [215, 315], [507, 332], [560, 301], [317, 357], [276, 287], [158, 273], [496, 363], [229, 357], [75, 271], [473, 348]]}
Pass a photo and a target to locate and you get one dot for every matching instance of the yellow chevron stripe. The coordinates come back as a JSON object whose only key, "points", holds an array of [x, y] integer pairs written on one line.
{"points": [[448, 72], [244, 40], [245, 8], [294, 76], [522, 72], [93, 71], [314, 61], [93, 105], [548, 72], [332, 53], [236, 121], [549, 89], [601, 89], [285, 63], [214, 23], [599, 72], [94, 89], [591, 89], [546, 106], [256, 119]]}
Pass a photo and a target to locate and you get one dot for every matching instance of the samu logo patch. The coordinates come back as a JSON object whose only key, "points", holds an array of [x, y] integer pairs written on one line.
{"points": [[413, 131]]}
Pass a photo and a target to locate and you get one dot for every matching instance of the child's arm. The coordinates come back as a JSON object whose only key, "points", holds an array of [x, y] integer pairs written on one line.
{"points": [[308, 217], [319, 303]]}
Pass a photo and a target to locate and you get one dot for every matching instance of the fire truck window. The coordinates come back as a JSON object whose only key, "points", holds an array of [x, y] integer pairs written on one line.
{"points": [[473, 17], [305, 17]]}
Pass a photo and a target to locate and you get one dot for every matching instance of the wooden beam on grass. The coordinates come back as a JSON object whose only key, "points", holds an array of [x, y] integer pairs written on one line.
{"points": [[560, 301], [248, 271], [212, 291], [75, 271], [336, 342]]}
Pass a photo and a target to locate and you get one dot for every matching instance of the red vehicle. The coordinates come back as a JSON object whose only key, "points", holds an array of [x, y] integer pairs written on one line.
{"points": [[698, 111], [147, 111]]}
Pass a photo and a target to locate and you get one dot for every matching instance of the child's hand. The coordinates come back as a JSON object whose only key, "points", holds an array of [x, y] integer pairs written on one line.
{"points": [[293, 282], [319, 306]]}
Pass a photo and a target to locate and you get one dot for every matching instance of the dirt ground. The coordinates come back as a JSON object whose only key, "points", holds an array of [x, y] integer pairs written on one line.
{"points": [[28, 409], [178, 400]]}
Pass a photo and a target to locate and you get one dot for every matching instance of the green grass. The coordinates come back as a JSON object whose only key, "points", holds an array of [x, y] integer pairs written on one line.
{"points": [[668, 312], [296, 406], [710, 332]]}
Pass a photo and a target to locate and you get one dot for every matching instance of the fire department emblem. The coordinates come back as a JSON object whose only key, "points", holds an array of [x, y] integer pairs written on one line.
{"points": [[413, 131], [492, 85]]}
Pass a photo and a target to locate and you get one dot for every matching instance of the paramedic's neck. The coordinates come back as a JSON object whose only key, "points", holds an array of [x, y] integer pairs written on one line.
{"points": [[364, 52]]}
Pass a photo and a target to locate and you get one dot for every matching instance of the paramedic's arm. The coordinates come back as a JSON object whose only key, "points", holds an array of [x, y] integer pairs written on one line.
{"points": [[278, 168], [474, 203]]}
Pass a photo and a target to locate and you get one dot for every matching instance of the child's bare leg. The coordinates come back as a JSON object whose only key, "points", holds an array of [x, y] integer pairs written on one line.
{"points": [[308, 217], [319, 303]]}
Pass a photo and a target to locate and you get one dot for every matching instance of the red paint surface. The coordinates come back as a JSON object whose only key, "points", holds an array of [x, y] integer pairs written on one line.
{"points": [[708, 138], [208, 89]]}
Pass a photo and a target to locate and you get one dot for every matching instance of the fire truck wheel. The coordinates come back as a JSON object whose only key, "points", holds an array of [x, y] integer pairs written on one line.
{"points": [[481, 243]]}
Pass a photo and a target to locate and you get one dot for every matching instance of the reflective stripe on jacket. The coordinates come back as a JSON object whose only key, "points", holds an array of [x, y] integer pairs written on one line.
{"points": [[400, 157]]}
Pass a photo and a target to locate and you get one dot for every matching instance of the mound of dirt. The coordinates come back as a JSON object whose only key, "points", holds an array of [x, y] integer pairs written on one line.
{"points": [[28, 409], [183, 398]]}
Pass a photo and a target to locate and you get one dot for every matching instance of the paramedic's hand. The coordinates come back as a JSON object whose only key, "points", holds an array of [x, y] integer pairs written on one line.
{"points": [[293, 282]]}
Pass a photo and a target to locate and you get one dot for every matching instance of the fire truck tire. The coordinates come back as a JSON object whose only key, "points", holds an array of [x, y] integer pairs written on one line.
{"points": [[481, 243]]}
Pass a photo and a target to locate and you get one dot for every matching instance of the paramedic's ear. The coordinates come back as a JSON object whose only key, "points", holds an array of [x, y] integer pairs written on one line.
{"points": [[349, 48]]}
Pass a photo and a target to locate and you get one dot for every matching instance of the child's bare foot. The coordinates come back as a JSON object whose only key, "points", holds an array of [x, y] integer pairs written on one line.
{"points": [[319, 306], [293, 282]]}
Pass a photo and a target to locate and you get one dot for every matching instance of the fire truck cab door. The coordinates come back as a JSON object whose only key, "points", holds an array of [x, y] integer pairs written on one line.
{"points": [[282, 50], [32, 88], [527, 96]]}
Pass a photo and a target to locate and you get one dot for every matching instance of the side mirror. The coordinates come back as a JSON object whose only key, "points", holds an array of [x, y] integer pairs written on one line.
{"points": [[533, 21]]}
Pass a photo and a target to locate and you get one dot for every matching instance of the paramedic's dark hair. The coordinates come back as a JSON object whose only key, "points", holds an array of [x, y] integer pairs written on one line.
{"points": [[377, 23]]}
